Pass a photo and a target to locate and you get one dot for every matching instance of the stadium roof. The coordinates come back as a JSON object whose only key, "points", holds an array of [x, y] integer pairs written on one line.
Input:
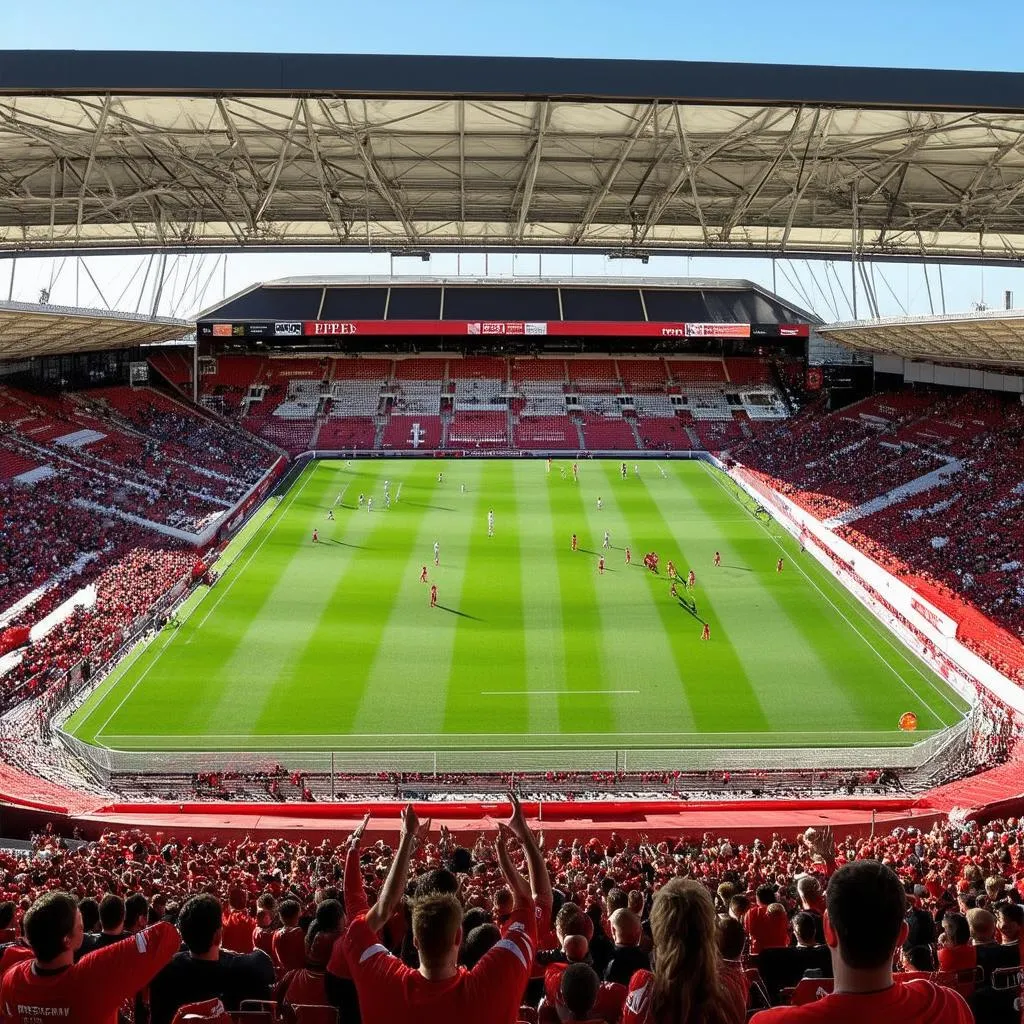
{"points": [[126, 150], [30, 330], [995, 336], [527, 298]]}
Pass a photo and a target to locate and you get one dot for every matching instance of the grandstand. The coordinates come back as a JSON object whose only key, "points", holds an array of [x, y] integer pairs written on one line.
{"points": [[220, 653]]}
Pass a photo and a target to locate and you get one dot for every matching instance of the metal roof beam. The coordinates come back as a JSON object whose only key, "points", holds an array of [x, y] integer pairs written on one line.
{"points": [[101, 124], [748, 128], [275, 176], [327, 194], [601, 194], [531, 167], [360, 141], [460, 113]]}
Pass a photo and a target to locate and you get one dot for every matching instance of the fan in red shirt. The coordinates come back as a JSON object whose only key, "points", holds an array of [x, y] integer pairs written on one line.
{"points": [[608, 1000], [238, 925], [263, 933], [308, 986], [90, 991], [289, 943], [441, 990], [13, 954], [955, 950], [688, 982], [864, 924], [768, 928], [580, 997]]}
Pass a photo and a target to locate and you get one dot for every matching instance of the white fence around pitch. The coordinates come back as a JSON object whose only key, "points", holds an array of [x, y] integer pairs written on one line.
{"points": [[113, 762], [965, 671]]}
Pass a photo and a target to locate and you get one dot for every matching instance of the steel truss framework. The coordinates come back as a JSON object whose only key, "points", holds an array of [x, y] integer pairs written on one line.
{"points": [[293, 165], [30, 330], [995, 337]]}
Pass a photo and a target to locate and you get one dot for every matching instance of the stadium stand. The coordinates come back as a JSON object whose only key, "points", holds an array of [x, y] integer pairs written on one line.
{"points": [[589, 909], [103, 478], [545, 432], [888, 473], [478, 430], [601, 432], [407, 432], [297, 409]]}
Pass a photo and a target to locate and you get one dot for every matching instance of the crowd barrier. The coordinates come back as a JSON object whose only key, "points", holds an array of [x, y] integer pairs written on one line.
{"points": [[546, 810]]}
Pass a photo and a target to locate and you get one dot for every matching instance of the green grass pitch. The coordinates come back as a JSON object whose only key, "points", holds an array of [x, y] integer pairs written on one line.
{"points": [[333, 646]]}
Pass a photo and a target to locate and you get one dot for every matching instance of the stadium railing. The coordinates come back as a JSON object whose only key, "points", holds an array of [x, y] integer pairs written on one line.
{"points": [[882, 594], [110, 762]]}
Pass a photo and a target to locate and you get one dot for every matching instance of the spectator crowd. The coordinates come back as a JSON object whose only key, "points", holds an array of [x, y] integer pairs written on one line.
{"points": [[100, 456], [958, 540], [909, 925]]}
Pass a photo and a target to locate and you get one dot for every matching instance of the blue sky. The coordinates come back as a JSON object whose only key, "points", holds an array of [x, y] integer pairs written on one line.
{"points": [[985, 35]]}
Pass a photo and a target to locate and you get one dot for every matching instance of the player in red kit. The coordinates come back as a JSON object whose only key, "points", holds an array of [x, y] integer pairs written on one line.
{"points": [[671, 569], [691, 580], [675, 593], [423, 575], [600, 566], [433, 595], [629, 557], [706, 632], [574, 542], [316, 537], [778, 566], [718, 558]]}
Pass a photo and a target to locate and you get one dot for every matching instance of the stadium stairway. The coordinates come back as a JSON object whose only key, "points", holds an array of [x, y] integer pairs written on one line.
{"points": [[579, 432], [936, 478], [695, 440]]}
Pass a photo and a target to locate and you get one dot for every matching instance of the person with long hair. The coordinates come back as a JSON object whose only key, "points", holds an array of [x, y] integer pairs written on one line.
{"points": [[687, 984]]}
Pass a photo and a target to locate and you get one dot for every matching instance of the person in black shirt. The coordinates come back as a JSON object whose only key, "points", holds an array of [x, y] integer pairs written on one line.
{"points": [[783, 968], [602, 949], [112, 923], [628, 957], [203, 970]]}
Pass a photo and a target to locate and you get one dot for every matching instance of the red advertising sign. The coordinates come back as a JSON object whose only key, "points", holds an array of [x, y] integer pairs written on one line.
{"points": [[718, 330]]}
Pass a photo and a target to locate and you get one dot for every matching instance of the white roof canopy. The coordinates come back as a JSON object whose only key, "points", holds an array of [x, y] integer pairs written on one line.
{"points": [[992, 336], [143, 151], [30, 330]]}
